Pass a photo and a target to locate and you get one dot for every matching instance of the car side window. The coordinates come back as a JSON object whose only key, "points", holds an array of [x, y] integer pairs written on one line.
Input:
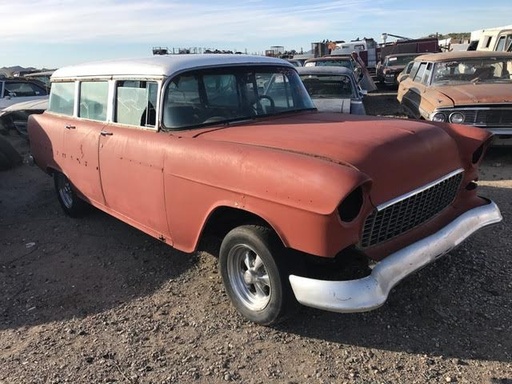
{"points": [[136, 102], [62, 98], [93, 100], [426, 73]]}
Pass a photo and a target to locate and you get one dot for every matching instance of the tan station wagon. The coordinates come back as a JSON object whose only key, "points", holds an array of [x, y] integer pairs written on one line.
{"points": [[468, 87], [324, 209]]}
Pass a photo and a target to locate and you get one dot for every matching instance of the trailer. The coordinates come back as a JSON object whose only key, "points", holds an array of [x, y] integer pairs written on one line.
{"points": [[493, 39]]}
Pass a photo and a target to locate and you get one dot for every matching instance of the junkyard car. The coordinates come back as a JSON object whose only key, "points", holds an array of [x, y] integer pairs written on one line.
{"points": [[465, 87], [333, 89], [332, 61], [405, 72], [16, 90], [181, 146], [16, 115], [391, 66]]}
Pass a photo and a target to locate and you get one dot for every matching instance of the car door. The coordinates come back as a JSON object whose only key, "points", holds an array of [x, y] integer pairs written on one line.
{"points": [[131, 157], [131, 161], [74, 140]]}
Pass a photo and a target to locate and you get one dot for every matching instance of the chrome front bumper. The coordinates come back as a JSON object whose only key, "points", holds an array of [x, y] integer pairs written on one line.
{"points": [[372, 291]]}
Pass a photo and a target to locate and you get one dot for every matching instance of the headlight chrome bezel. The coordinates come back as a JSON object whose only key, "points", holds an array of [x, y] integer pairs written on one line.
{"points": [[438, 117], [457, 117]]}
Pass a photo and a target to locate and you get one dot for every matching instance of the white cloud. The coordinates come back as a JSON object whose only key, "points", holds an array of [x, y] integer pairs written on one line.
{"points": [[80, 29]]}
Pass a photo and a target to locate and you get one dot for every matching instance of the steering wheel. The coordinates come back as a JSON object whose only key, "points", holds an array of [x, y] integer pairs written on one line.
{"points": [[258, 107]]}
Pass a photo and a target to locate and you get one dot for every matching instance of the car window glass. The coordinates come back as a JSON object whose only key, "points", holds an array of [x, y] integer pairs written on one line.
{"points": [[62, 98], [216, 95], [414, 69], [23, 89], [279, 90], [501, 44], [426, 73], [221, 90], [93, 100], [328, 86], [418, 77], [136, 102]]}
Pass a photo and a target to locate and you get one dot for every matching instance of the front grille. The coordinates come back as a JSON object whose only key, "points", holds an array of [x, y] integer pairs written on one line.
{"points": [[485, 116], [406, 212]]}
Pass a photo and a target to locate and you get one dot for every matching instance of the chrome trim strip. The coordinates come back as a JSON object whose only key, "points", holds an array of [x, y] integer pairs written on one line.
{"points": [[372, 291], [389, 203], [497, 107], [500, 131]]}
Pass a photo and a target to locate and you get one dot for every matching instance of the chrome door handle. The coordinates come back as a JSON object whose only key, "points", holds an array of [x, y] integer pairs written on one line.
{"points": [[106, 133]]}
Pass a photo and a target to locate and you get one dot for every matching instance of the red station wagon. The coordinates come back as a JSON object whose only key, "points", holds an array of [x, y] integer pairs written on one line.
{"points": [[231, 145]]}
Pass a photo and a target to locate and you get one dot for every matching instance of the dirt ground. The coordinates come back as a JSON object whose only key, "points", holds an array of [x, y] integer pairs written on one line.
{"points": [[93, 300]]}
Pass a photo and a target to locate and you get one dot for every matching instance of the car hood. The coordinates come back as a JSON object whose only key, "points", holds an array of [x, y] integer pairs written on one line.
{"points": [[23, 102], [332, 105], [470, 94], [390, 151]]}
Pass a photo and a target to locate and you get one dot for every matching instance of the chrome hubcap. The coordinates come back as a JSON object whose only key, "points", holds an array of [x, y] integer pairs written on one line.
{"points": [[249, 277]]}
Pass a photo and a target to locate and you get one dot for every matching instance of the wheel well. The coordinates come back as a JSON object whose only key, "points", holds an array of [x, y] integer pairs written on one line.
{"points": [[224, 219]]}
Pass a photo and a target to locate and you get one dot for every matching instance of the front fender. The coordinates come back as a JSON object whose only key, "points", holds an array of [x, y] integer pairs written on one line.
{"points": [[296, 194]]}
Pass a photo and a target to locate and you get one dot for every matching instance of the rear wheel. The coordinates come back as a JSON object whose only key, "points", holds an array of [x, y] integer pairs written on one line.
{"points": [[71, 204], [254, 270]]}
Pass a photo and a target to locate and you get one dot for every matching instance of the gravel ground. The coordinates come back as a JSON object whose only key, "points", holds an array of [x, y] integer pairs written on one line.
{"points": [[96, 301]]}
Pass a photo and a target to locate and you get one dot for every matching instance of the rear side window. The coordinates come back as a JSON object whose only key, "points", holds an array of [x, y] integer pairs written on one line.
{"points": [[93, 100], [136, 102], [62, 98]]}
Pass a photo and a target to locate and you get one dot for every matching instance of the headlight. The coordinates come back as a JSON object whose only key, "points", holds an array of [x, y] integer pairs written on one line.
{"points": [[457, 117], [351, 206], [439, 117]]}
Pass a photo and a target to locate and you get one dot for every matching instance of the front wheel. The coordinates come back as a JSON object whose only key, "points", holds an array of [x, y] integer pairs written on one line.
{"points": [[253, 267], [71, 204]]}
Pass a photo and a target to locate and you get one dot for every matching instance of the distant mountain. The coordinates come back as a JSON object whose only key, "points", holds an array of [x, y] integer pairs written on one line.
{"points": [[17, 70]]}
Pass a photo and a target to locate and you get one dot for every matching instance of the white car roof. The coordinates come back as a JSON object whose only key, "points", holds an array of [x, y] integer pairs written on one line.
{"points": [[161, 65]]}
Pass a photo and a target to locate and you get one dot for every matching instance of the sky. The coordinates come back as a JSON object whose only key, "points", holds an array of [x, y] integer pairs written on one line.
{"points": [[56, 33]]}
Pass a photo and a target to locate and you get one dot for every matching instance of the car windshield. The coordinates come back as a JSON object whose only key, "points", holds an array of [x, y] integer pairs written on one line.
{"points": [[223, 95], [328, 86], [488, 70]]}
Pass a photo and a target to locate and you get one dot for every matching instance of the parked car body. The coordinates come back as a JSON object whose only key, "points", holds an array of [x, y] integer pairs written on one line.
{"points": [[43, 77], [405, 72], [181, 146], [296, 62], [16, 90], [352, 62], [333, 89], [391, 66], [16, 115], [332, 61], [465, 87]]}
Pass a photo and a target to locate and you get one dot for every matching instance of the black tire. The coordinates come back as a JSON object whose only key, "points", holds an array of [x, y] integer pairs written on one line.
{"points": [[69, 201], [253, 266]]}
